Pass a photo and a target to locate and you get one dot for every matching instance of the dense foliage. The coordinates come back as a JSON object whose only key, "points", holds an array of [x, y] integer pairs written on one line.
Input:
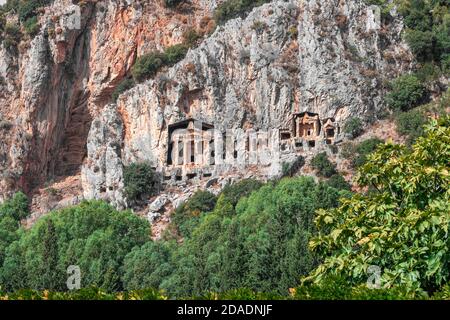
{"points": [[187, 215], [410, 124], [364, 149], [427, 25], [337, 181], [338, 288], [353, 127], [332, 289], [260, 237], [428, 29], [92, 235], [260, 244], [403, 227], [122, 87], [230, 9], [11, 212], [407, 92], [149, 64], [253, 235], [16, 207], [323, 165], [139, 180], [89, 293], [357, 152]]}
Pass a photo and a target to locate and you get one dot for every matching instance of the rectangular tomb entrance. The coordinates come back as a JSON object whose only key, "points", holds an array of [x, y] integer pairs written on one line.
{"points": [[306, 125], [190, 143]]}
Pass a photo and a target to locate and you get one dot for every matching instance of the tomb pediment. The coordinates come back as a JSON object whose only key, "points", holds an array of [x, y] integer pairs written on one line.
{"points": [[187, 141], [198, 150]]}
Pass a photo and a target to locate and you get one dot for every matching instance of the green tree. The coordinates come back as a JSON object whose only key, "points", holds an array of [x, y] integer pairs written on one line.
{"points": [[338, 182], [175, 53], [261, 243], [122, 87], [420, 43], [353, 127], [147, 66], [323, 165], [364, 149], [31, 26], [8, 234], [410, 124], [13, 274], [187, 215], [92, 235], [407, 92], [139, 181], [147, 266], [49, 273], [16, 207], [234, 192], [403, 227]]}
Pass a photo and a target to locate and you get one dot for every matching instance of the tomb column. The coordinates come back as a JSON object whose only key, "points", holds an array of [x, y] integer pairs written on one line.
{"points": [[275, 156], [198, 148], [241, 139], [175, 151], [252, 147], [218, 147], [274, 143], [230, 147], [263, 154], [207, 148], [187, 149]]}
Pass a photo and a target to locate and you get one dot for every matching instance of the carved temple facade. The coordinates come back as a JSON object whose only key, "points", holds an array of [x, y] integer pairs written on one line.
{"points": [[196, 150]]}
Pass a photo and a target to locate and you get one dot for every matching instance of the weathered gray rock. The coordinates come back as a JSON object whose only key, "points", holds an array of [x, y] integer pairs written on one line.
{"points": [[211, 182], [179, 201], [158, 203], [51, 88], [343, 58], [153, 216], [102, 174], [329, 57]]}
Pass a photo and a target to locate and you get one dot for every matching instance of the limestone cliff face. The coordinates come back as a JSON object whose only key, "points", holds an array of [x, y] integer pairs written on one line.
{"points": [[328, 57], [54, 85], [345, 55]]}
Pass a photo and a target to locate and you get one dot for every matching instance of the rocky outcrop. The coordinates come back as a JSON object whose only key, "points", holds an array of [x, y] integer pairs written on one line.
{"points": [[102, 173], [345, 55], [52, 87], [57, 120], [254, 73]]}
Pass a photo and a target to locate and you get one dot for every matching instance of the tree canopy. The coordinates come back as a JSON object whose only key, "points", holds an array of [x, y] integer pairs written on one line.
{"points": [[402, 227]]}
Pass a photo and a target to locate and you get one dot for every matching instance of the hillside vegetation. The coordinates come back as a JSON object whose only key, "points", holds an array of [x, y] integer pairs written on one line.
{"points": [[288, 238], [295, 237]]}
